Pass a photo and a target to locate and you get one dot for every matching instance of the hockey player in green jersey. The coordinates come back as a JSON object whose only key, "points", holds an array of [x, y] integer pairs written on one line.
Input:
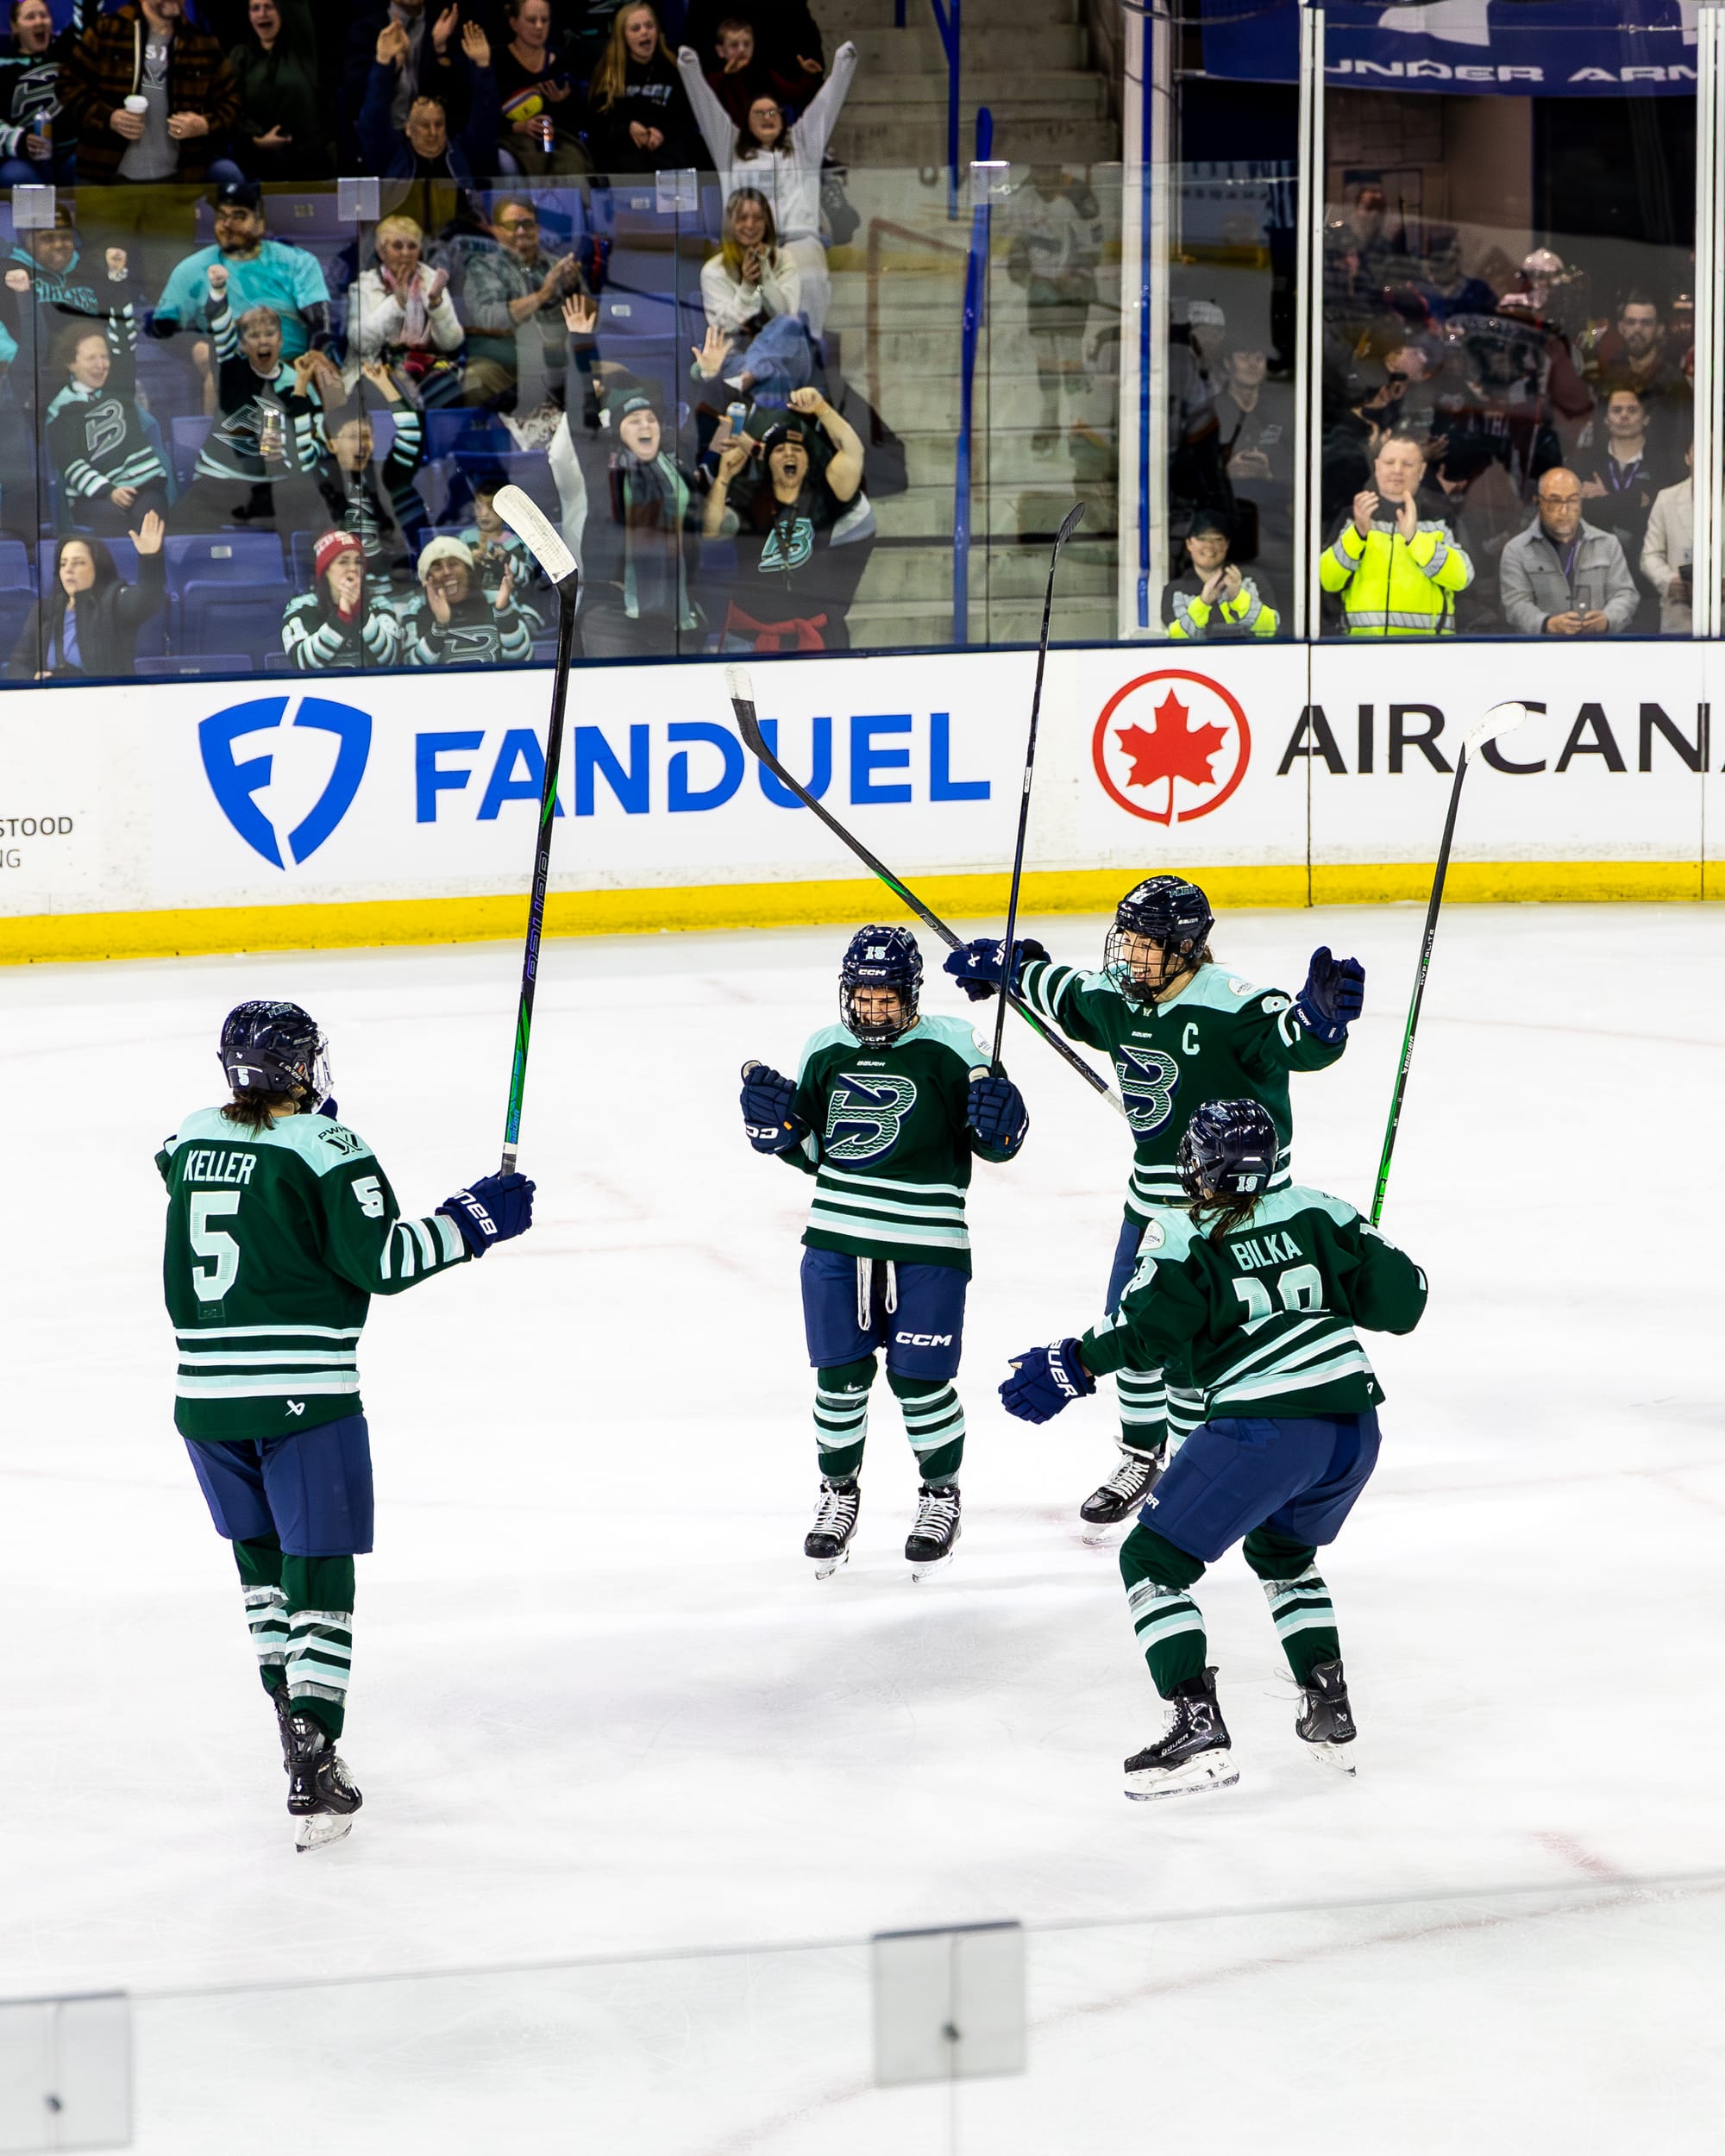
{"points": [[1260, 1295], [281, 1227], [1181, 1029], [886, 1111]]}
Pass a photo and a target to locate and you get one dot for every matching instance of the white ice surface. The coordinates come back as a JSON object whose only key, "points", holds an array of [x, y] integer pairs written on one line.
{"points": [[600, 1708]]}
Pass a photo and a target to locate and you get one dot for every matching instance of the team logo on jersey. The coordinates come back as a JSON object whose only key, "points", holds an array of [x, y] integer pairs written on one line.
{"points": [[236, 785], [1171, 746], [1149, 1081], [866, 1116]]}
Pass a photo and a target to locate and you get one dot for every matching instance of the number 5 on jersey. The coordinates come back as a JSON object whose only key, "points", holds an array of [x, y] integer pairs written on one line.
{"points": [[222, 1251]]}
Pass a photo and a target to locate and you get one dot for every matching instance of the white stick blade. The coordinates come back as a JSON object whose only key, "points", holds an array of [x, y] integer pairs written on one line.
{"points": [[738, 684], [530, 524], [1502, 718]]}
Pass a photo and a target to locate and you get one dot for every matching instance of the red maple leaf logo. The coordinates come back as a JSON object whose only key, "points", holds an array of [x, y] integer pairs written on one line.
{"points": [[1172, 748]]}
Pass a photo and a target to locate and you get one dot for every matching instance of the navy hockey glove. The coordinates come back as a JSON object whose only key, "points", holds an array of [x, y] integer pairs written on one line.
{"points": [[492, 1210], [996, 1112], [772, 1123], [1046, 1380], [1334, 996], [977, 967]]}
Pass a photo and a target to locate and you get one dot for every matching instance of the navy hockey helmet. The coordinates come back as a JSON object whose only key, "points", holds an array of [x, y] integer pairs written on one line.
{"points": [[879, 957], [1165, 911], [1227, 1150], [274, 1047]]}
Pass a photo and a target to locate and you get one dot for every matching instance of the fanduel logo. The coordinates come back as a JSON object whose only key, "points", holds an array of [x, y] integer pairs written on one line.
{"points": [[236, 785]]}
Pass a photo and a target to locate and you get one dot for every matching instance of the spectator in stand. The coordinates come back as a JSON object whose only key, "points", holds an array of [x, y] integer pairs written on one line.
{"points": [[254, 467], [1052, 261], [48, 287], [281, 134], [1668, 553], [496, 548], [255, 272], [792, 503], [1396, 574], [400, 312], [1563, 578], [381, 507], [782, 162], [1213, 603], [638, 118], [339, 622], [144, 49], [30, 155], [459, 623], [1622, 476], [787, 38], [537, 93], [513, 299], [1448, 290], [427, 67], [740, 75], [88, 622], [1482, 509], [755, 336], [110, 471], [421, 145], [638, 544]]}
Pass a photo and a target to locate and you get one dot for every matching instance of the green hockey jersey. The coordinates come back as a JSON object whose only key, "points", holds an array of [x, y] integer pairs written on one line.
{"points": [[1264, 1320], [276, 1241], [1218, 1039], [888, 1146]]}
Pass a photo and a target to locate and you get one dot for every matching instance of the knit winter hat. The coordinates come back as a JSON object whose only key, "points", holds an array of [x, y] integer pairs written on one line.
{"points": [[330, 548], [444, 549]]}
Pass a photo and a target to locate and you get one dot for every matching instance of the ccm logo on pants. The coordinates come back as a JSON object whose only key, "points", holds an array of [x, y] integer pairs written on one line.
{"points": [[923, 1340]]}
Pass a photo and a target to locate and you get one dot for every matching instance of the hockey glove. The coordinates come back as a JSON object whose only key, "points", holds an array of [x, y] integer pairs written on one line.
{"points": [[1334, 996], [977, 966], [773, 1124], [996, 1112], [493, 1210], [1046, 1380]]}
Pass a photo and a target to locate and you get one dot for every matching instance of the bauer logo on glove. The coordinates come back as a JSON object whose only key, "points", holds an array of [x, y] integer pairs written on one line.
{"points": [[1044, 1379]]}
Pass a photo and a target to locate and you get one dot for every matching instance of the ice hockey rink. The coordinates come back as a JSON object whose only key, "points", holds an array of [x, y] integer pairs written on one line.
{"points": [[638, 1791]]}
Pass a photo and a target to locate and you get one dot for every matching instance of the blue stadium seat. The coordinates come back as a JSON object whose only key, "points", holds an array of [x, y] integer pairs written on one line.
{"points": [[227, 556], [219, 616], [189, 435], [199, 662], [527, 469]]}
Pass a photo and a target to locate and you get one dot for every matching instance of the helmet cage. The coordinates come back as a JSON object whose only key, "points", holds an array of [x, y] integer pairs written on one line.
{"points": [[1168, 912], [880, 957]]}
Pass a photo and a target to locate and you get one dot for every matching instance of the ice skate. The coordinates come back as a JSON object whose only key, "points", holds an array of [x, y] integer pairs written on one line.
{"points": [[1194, 1753], [928, 1548], [1125, 1490], [828, 1542], [321, 1797], [284, 1725], [1326, 1722]]}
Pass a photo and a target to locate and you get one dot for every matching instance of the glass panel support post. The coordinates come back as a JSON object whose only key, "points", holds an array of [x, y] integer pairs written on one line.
{"points": [[1710, 316], [1145, 225], [1310, 344]]}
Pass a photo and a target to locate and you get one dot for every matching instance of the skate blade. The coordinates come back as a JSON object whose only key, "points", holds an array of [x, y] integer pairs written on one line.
{"points": [[1332, 1758], [825, 1567], [321, 1829], [1097, 1531], [927, 1568], [1207, 1771]]}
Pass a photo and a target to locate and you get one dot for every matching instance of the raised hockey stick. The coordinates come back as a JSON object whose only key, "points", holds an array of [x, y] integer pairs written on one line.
{"points": [[535, 529], [1502, 718], [1070, 524], [743, 704]]}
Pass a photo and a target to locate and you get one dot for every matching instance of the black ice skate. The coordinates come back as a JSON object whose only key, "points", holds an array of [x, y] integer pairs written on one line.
{"points": [[828, 1542], [1125, 1490], [283, 1724], [929, 1545], [321, 1795], [1195, 1754], [1326, 1722]]}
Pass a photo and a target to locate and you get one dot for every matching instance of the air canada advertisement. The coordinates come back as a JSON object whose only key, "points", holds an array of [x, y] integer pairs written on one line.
{"points": [[238, 793]]}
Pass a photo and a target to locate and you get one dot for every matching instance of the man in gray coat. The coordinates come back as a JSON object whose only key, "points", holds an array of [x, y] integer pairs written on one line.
{"points": [[1562, 577]]}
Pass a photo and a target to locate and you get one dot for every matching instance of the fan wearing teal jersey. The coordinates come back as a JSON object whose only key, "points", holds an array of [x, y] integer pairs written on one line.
{"points": [[1260, 1294], [886, 1112], [281, 1227], [1181, 1030]]}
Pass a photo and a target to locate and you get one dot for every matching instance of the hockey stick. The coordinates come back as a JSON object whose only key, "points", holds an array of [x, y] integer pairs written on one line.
{"points": [[1070, 524], [1502, 718], [742, 703], [531, 525]]}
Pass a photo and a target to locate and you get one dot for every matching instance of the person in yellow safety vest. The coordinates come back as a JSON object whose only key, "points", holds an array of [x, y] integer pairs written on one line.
{"points": [[1214, 602], [1397, 573]]}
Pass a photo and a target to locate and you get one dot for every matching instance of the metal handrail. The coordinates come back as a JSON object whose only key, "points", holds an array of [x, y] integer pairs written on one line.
{"points": [[975, 312], [946, 20]]}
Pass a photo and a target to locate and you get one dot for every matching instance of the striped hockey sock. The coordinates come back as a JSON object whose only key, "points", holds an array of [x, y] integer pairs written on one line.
{"points": [[320, 1636], [841, 1417], [1300, 1605], [1169, 1625], [1185, 1412], [266, 1619], [1144, 1421], [934, 1423]]}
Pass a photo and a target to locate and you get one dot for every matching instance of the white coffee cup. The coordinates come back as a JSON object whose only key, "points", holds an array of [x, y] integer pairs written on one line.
{"points": [[135, 103]]}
